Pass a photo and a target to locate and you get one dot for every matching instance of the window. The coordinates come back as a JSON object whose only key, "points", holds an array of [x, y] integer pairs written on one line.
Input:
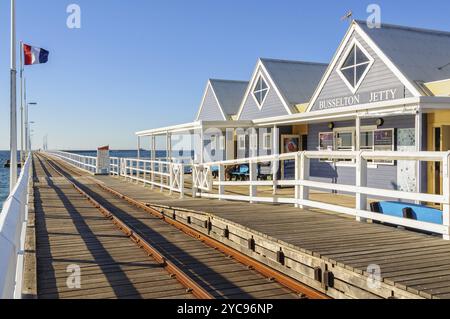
{"points": [[355, 66], [366, 142], [222, 142], [260, 91], [384, 141], [241, 142], [371, 139], [213, 143], [345, 141], [326, 141], [267, 141]]}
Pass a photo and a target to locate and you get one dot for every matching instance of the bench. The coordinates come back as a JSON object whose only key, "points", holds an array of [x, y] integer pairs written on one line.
{"points": [[410, 211]]}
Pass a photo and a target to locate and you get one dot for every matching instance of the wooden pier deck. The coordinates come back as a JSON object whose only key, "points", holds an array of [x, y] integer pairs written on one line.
{"points": [[411, 265], [330, 253], [70, 231]]}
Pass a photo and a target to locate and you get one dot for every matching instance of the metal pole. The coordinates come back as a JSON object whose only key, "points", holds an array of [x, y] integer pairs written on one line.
{"points": [[21, 105], [13, 106], [27, 129]]}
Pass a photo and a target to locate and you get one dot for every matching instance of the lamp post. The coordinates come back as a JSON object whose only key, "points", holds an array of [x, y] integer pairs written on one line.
{"points": [[30, 133], [13, 105], [27, 133]]}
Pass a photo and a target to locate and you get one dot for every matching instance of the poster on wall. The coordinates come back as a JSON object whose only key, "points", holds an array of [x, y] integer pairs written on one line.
{"points": [[406, 170], [291, 144], [326, 141]]}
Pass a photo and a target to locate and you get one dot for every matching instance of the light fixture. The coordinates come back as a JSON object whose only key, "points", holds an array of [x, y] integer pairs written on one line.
{"points": [[380, 122], [331, 125]]}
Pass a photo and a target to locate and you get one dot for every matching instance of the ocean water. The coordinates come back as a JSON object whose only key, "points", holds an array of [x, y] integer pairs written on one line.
{"points": [[4, 177]]}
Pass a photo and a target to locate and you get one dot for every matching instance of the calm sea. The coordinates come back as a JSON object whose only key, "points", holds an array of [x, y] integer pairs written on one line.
{"points": [[4, 172]]}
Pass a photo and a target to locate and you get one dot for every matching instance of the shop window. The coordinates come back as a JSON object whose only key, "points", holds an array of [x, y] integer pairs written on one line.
{"points": [[267, 141], [241, 142]]}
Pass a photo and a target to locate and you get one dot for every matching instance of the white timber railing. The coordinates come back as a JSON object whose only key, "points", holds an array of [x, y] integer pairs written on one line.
{"points": [[85, 163], [115, 166], [155, 173], [13, 225], [205, 186]]}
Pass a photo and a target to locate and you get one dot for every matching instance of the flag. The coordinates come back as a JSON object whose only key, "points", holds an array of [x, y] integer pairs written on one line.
{"points": [[34, 55]]}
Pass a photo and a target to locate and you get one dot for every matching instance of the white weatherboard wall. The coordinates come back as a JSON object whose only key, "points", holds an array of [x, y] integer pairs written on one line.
{"points": [[272, 106], [13, 221]]}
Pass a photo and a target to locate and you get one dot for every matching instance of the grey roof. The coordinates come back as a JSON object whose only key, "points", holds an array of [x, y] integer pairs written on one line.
{"points": [[419, 54], [230, 94], [296, 80]]}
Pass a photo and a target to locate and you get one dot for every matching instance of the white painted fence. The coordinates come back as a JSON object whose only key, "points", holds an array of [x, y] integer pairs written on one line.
{"points": [[160, 174], [85, 163], [115, 166], [13, 223], [203, 184], [170, 175]]}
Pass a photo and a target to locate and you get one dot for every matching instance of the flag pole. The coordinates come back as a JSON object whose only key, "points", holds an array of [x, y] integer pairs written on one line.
{"points": [[22, 158], [13, 106]]}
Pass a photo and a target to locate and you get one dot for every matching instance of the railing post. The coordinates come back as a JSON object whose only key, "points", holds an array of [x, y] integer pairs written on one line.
{"points": [[171, 178], [221, 180], [145, 173], [304, 176], [446, 192], [136, 171], [152, 174], [275, 168], [298, 178], [361, 181], [161, 177], [253, 166], [181, 186], [194, 180]]}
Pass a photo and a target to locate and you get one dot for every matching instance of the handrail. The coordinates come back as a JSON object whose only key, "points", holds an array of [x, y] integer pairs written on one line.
{"points": [[203, 184], [13, 223], [86, 163]]}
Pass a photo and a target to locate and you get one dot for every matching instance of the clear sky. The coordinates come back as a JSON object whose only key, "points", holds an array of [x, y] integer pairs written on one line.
{"points": [[140, 64]]}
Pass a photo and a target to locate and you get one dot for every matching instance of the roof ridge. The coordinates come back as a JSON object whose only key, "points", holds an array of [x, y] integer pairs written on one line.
{"points": [[293, 61], [408, 28], [229, 81]]}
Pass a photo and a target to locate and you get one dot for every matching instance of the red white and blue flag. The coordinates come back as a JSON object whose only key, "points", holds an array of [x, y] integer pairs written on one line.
{"points": [[34, 55]]}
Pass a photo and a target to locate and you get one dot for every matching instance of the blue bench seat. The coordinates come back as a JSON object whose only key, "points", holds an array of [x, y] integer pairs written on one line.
{"points": [[411, 211]]}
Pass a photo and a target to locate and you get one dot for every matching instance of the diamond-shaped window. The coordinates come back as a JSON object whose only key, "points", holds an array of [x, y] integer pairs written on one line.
{"points": [[260, 91], [355, 66]]}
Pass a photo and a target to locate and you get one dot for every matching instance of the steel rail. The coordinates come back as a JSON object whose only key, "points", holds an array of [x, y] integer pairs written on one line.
{"points": [[284, 280], [171, 268]]}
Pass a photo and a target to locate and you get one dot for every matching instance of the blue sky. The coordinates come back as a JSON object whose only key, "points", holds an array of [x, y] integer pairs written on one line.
{"points": [[141, 64]]}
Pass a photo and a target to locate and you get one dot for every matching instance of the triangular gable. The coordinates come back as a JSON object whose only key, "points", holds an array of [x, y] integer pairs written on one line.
{"points": [[380, 79], [210, 109], [273, 104]]}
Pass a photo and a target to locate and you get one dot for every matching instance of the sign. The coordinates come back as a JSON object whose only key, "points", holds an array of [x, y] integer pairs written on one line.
{"points": [[384, 138], [361, 98], [103, 161]]}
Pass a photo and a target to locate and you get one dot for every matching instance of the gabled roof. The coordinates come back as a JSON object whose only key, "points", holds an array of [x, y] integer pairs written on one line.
{"points": [[421, 55], [296, 80], [229, 94]]}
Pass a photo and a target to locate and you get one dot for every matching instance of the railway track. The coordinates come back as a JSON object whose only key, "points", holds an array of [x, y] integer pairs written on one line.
{"points": [[206, 268]]}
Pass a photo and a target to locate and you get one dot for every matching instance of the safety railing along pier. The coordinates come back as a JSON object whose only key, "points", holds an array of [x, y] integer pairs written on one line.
{"points": [[204, 185], [13, 224], [170, 175]]}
